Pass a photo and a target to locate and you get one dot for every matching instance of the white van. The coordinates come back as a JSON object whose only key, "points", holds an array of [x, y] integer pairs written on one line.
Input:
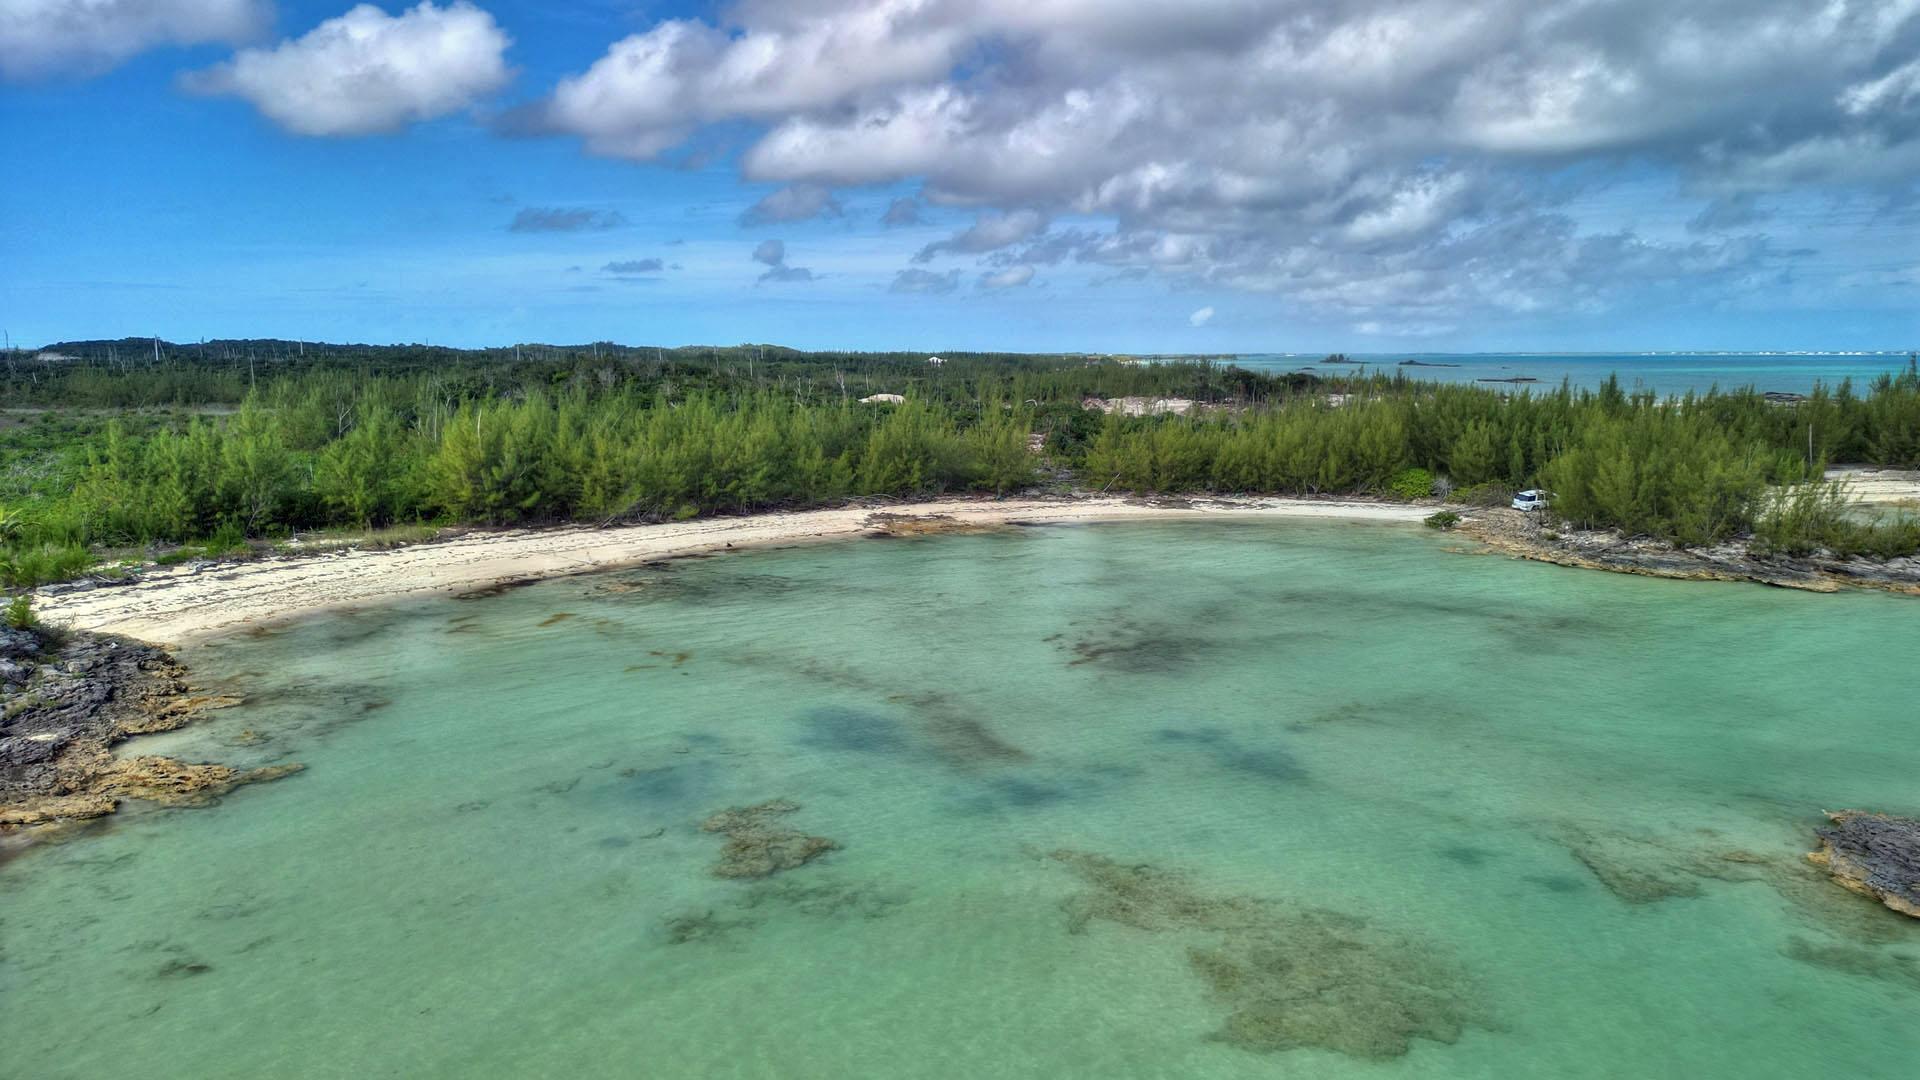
{"points": [[1531, 499]]}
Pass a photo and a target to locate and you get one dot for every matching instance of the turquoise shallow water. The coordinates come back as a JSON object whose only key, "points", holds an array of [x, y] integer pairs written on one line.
{"points": [[1662, 373], [1296, 800]]}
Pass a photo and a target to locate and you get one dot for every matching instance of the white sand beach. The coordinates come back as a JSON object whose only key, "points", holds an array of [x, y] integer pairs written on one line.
{"points": [[177, 605], [1897, 488]]}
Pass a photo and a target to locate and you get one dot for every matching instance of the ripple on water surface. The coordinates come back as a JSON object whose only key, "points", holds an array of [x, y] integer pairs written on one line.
{"points": [[1134, 800]]}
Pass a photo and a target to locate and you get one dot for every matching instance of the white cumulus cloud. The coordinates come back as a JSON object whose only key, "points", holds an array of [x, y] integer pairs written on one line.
{"points": [[1201, 317], [367, 72], [1404, 162], [52, 38], [653, 88]]}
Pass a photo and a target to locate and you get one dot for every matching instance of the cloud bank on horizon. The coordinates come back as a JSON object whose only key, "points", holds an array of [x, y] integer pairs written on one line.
{"points": [[1396, 167]]}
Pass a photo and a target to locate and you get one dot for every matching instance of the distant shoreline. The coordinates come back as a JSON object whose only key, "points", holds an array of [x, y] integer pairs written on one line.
{"points": [[174, 606]]}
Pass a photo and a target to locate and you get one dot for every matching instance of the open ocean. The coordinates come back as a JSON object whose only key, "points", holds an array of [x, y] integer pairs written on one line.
{"points": [[1664, 373]]}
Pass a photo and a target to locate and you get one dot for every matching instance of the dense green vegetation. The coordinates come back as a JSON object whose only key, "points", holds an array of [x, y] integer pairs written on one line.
{"points": [[1691, 470], [138, 445], [537, 457], [136, 373]]}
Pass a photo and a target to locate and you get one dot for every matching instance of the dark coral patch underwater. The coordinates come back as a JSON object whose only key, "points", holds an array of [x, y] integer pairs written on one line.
{"points": [[1288, 977]]}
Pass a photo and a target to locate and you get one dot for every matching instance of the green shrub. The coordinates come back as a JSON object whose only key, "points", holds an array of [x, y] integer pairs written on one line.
{"points": [[19, 614], [28, 566], [1877, 539], [1411, 484], [1487, 495], [1809, 518], [228, 539], [1445, 519], [1799, 520]]}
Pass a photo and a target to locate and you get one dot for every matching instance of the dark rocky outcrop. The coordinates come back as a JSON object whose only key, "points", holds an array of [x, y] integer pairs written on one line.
{"points": [[1873, 855], [67, 701], [1511, 532]]}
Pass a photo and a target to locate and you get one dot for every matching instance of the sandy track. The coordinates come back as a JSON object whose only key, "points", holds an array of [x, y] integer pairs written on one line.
{"points": [[176, 605], [1880, 487]]}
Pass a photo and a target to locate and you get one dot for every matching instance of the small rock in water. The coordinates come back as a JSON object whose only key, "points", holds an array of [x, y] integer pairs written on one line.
{"points": [[1874, 855]]}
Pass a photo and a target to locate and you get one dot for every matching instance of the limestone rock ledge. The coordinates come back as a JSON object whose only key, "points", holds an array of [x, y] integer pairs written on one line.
{"points": [[1511, 532], [66, 699], [1874, 855]]}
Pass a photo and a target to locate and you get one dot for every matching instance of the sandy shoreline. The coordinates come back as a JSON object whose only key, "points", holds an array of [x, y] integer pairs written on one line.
{"points": [[174, 606]]}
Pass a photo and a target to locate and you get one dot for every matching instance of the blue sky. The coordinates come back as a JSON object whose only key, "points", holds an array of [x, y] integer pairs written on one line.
{"points": [[1111, 176]]}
